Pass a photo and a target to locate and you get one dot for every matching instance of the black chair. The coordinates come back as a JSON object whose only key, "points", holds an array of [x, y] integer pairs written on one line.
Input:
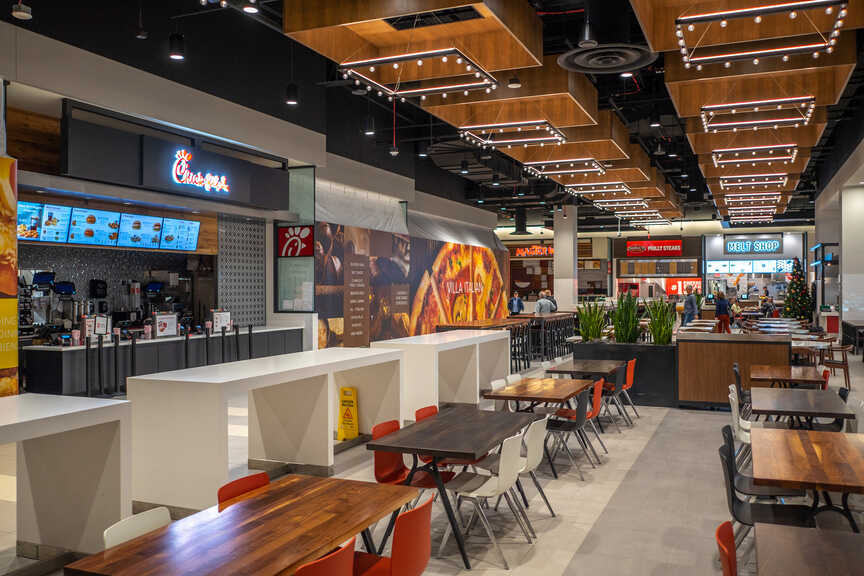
{"points": [[743, 395], [748, 513], [744, 484], [839, 424]]}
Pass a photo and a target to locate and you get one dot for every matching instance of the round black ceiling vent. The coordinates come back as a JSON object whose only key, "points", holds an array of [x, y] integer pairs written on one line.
{"points": [[607, 59]]}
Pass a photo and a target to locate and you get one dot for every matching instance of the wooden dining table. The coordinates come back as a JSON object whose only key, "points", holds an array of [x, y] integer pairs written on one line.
{"points": [[587, 368], [488, 324], [811, 460], [539, 391], [457, 432], [777, 375], [272, 530], [807, 404], [795, 551]]}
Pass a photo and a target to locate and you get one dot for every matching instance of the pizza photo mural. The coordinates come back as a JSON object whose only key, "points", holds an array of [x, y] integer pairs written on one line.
{"points": [[373, 285]]}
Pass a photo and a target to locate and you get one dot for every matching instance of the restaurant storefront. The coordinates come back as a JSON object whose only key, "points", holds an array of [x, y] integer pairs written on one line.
{"points": [[657, 267]]}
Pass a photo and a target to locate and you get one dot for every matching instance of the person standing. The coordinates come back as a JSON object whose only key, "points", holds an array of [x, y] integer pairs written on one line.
{"points": [[722, 313], [515, 305], [551, 299], [689, 306], [543, 305]]}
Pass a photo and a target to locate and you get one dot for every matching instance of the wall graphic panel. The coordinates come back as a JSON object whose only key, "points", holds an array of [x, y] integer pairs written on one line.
{"points": [[8, 278], [372, 285]]}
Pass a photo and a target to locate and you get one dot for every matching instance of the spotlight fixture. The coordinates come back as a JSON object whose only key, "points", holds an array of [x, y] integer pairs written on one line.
{"points": [[496, 180], [480, 78], [369, 126], [463, 167], [21, 11], [292, 95], [176, 47], [799, 112], [756, 13], [422, 149], [565, 166], [394, 151], [655, 121], [626, 74], [514, 83], [525, 132], [250, 8]]}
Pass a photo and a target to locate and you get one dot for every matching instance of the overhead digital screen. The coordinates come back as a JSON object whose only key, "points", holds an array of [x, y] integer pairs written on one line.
{"points": [[740, 266], [55, 223], [717, 266], [139, 231], [784, 266], [94, 227], [29, 220], [764, 266], [179, 234]]}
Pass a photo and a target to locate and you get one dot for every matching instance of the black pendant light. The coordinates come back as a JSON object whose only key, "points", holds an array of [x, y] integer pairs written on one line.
{"points": [[463, 167], [176, 47], [292, 95], [369, 125]]}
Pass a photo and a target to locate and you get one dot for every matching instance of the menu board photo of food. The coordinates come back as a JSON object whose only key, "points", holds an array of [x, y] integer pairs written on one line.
{"points": [[372, 285], [139, 231], [29, 220], [179, 234], [55, 223], [94, 227]]}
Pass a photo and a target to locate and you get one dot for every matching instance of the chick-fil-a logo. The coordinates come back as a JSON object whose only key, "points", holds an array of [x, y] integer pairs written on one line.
{"points": [[182, 174], [295, 241]]}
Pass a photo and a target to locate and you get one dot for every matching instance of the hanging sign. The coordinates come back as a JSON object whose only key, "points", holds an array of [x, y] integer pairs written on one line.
{"points": [[295, 241], [642, 248], [348, 417]]}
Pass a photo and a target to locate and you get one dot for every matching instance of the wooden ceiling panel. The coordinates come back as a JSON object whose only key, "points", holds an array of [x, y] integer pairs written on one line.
{"points": [[508, 35], [657, 18]]}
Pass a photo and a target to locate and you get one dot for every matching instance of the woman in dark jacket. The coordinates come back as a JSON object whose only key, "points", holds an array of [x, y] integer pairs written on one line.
{"points": [[722, 313]]}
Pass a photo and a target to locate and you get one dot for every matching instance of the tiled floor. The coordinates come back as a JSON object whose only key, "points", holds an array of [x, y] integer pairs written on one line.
{"points": [[651, 508]]}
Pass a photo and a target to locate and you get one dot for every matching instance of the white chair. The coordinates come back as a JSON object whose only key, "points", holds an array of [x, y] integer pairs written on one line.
{"points": [[514, 378], [496, 405], [135, 525], [479, 489]]}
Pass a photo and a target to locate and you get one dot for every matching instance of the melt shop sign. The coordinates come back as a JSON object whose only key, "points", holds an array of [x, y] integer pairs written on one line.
{"points": [[182, 173]]}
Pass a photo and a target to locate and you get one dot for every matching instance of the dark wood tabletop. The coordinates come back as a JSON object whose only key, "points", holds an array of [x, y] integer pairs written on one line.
{"points": [[271, 530], [489, 324], [552, 390], [777, 373], [808, 459], [793, 551], [462, 432], [597, 368], [805, 403]]}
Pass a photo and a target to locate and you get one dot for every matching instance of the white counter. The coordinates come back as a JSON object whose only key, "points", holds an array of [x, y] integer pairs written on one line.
{"points": [[180, 418], [73, 471], [109, 343], [451, 366]]}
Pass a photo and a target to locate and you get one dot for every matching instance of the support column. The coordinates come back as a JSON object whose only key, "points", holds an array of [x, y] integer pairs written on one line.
{"points": [[566, 289], [851, 262]]}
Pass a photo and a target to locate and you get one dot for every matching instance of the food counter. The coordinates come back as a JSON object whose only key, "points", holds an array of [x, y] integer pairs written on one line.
{"points": [[705, 363], [61, 369]]}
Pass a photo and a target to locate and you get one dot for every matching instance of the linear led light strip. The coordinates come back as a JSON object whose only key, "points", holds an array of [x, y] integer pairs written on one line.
{"points": [[663, 222], [803, 105], [590, 165], [726, 156], [646, 214], [483, 134], [613, 207], [753, 160], [752, 209], [616, 202], [746, 219], [757, 12], [600, 187], [755, 198], [486, 81], [754, 180]]}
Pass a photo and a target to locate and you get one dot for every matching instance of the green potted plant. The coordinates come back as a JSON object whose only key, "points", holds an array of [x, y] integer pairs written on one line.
{"points": [[661, 321], [592, 321], [625, 319]]}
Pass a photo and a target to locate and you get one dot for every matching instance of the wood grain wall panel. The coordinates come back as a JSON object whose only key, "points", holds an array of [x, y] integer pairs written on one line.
{"points": [[705, 365], [34, 140], [208, 234]]}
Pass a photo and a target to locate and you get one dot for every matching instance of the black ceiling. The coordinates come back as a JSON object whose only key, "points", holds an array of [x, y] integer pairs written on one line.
{"points": [[246, 60]]}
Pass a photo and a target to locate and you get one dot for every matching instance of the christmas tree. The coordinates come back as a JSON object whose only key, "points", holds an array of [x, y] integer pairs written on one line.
{"points": [[797, 295]]}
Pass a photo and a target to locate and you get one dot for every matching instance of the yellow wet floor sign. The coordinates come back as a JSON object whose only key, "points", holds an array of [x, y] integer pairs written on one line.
{"points": [[348, 428]]}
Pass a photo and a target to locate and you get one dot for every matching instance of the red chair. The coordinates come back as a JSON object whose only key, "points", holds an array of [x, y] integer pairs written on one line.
{"points": [[391, 469], [725, 537], [428, 412], [590, 416], [412, 547], [826, 375], [631, 377], [241, 486], [338, 563]]}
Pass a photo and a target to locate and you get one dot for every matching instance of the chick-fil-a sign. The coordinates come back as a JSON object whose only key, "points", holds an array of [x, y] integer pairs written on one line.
{"points": [[181, 173], [295, 241]]}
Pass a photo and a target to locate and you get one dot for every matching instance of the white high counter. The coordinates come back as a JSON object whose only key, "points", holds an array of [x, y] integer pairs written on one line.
{"points": [[180, 418], [451, 366], [73, 469]]}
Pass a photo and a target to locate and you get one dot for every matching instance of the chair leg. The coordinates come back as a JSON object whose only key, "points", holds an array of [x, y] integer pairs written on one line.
{"points": [[587, 441], [597, 434], [609, 413], [542, 493], [623, 412], [522, 492], [630, 401], [584, 449], [573, 460], [513, 508], [490, 533], [524, 513]]}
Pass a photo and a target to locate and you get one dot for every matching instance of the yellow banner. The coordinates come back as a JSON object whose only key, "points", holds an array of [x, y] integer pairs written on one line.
{"points": [[348, 417], [8, 278]]}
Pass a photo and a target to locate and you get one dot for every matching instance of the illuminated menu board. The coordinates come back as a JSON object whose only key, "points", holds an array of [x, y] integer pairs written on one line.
{"points": [[139, 231], [29, 220], [740, 266], [179, 234], [55, 223], [94, 227], [764, 266], [717, 266]]}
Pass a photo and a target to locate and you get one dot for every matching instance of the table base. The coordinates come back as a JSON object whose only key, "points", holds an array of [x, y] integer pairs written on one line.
{"points": [[831, 507]]}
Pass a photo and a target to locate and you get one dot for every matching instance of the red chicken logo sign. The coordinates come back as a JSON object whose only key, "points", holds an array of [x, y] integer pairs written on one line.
{"points": [[295, 241]]}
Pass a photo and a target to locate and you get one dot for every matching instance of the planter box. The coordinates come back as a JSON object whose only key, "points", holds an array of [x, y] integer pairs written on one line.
{"points": [[656, 380]]}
